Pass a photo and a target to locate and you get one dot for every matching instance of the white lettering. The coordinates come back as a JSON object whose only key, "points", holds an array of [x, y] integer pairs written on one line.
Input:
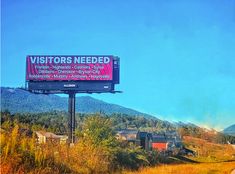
{"points": [[42, 59], [32, 59], [76, 60], [63, 60], [94, 60], [106, 60], [50, 59], [69, 59], [57, 60], [88, 60], [83, 60]]}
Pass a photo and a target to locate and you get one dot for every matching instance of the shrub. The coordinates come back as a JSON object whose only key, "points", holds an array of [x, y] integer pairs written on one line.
{"points": [[20, 154]]}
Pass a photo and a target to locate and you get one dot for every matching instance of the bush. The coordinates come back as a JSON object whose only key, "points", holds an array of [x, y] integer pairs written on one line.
{"points": [[132, 157], [20, 154]]}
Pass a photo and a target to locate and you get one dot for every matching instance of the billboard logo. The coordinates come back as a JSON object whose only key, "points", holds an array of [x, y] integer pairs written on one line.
{"points": [[69, 85]]}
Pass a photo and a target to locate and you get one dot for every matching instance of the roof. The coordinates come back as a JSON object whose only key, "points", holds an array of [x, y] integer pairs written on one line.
{"points": [[49, 134], [128, 134], [159, 138], [170, 139], [128, 131], [145, 134]]}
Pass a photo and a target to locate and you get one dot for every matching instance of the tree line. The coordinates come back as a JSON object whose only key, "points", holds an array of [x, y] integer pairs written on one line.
{"points": [[57, 121]]}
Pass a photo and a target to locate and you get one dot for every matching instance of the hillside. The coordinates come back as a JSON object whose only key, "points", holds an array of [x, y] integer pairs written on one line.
{"points": [[230, 130], [209, 152], [21, 101]]}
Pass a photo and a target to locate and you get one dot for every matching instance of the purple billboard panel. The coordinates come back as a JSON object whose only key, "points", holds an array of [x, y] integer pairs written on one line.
{"points": [[69, 68]]}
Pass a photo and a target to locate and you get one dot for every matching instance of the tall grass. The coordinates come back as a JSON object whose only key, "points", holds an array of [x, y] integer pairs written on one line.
{"points": [[203, 168], [21, 154], [210, 152]]}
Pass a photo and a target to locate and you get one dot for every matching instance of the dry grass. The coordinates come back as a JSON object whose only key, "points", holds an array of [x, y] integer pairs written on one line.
{"points": [[209, 152], [22, 155], [203, 168], [212, 157]]}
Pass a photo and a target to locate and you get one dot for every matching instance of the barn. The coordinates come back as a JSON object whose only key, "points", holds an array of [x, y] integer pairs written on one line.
{"points": [[159, 142]]}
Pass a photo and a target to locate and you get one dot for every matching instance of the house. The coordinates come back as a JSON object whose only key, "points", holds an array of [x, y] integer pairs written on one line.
{"points": [[145, 140], [169, 142], [44, 137], [159, 142], [129, 135]]}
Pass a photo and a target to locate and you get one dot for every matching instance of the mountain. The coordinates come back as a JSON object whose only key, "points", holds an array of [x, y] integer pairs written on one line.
{"points": [[21, 101], [185, 124], [230, 130]]}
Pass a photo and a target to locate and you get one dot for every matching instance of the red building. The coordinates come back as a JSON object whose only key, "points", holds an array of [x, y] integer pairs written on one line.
{"points": [[159, 142]]}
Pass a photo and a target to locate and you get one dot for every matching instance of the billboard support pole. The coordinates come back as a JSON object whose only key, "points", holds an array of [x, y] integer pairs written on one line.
{"points": [[71, 119]]}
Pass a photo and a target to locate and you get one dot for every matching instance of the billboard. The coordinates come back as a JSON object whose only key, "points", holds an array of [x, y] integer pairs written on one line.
{"points": [[69, 68]]}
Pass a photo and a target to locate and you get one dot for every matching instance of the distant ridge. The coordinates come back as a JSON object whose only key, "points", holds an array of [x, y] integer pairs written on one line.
{"points": [[17, 100], [230, 130]]}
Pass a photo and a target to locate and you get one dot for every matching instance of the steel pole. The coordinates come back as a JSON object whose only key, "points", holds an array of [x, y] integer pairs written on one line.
{"points": [[71, 120]]}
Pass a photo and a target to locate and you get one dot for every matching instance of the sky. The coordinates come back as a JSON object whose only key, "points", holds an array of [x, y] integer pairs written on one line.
{"points": [[177, 56]]}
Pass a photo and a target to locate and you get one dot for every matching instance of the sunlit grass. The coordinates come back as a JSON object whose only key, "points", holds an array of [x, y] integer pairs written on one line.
{"points": [[22, 154], [202, 168], [211, 159], [209, 152]]}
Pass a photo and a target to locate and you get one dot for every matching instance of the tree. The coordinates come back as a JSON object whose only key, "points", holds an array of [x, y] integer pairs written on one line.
{"points": [[98, 130], [97, 146]]}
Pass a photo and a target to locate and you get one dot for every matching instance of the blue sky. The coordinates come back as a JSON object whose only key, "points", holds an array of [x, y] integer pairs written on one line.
{"points": [[177, 56]]}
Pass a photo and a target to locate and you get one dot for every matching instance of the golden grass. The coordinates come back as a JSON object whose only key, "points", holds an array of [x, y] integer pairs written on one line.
{"points": [[209, 152], [212, 157], [22, 155], [202, 168]]}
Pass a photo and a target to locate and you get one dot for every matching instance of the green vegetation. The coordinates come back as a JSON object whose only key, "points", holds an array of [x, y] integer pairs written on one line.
{"points": [[96, 151], [21, 154], [56, 121]]}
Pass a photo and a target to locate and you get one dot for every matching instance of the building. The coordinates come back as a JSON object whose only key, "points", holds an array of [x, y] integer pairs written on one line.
{"points": [[44, 137], [159, 142], [129, 135], [174, 140], [145, 140], [167, 141]]}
